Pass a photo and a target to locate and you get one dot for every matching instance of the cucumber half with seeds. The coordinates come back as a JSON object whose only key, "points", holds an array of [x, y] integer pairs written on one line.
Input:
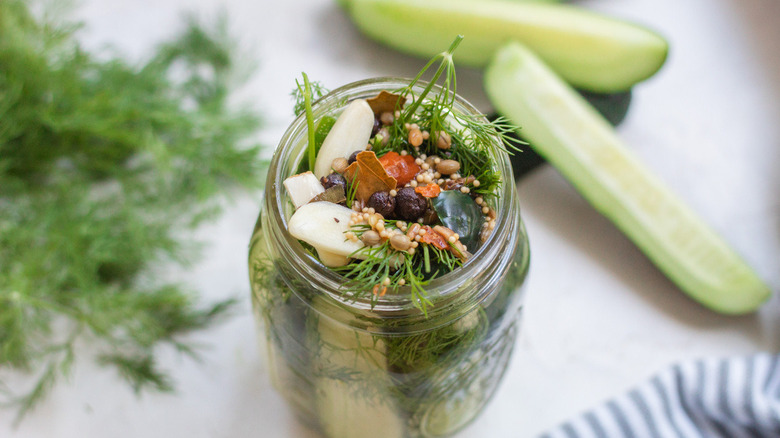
{"points": [[613, 107], [572, 136]]}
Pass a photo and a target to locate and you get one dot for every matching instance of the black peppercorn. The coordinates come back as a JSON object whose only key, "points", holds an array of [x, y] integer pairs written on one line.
{"points": [[382, 203], [353, 157], [377, 126], [410, 205], [334, 179]]}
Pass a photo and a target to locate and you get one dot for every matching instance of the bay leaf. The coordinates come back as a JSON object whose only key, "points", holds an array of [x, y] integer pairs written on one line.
{"points": [[334, 194], [386, 102], [369, 175]]}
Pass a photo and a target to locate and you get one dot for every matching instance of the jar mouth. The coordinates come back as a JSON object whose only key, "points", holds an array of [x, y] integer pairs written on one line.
{"points": [[446, 287]]}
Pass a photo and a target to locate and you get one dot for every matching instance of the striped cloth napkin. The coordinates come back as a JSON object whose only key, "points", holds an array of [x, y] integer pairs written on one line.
{"points": [[728, 398]]}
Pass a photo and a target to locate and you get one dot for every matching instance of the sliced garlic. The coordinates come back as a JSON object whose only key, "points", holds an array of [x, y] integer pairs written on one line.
{"points": [[302, 188], [322, 225], [350, 133], [332, 260]]}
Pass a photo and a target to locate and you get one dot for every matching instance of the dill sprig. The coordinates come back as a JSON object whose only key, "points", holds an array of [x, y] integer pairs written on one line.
{"points": [[381, 269], [473, 137], [351, 190], [104, 166], [315, 90], [443, 100], [305, 92], [367, 275]]}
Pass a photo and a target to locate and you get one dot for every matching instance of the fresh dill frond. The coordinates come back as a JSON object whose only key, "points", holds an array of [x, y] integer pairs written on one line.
{"points": [[473, 136], [305, 91], [104, 168], [447, 259], [314, 90], [370, 271], [351, 190], [381, 269], [446, 67], [436, 348], [506, 131], [417, 281]]}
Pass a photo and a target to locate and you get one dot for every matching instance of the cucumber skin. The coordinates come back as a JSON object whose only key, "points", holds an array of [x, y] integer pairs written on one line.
{"points": [[590, 51], [736, 290]]}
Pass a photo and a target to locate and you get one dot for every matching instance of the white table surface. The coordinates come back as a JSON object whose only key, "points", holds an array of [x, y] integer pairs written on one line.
{"points": [[599, 317]]}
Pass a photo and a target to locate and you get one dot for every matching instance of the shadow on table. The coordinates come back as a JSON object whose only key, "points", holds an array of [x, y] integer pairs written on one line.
{"points": [[759, 19]]}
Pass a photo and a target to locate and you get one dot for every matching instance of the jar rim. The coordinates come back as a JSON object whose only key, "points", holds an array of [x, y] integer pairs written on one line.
{"points": [[447, 287]]}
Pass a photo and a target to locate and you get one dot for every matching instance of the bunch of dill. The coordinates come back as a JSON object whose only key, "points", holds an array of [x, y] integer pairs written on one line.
{"points": [[103, 166]]}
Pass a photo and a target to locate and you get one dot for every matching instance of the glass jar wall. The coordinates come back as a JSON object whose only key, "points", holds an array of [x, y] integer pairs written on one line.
{"points": [[352, 368]]}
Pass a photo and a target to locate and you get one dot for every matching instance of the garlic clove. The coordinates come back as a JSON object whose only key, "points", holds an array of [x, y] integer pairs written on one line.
{"points": [[332, 260], [350, 133], [303, 187], [322, 225]]}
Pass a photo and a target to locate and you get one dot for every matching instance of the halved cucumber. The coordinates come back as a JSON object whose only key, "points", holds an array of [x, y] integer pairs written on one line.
{"points": [[589, 50], [344, 414], [584, 147], [352, 382]]}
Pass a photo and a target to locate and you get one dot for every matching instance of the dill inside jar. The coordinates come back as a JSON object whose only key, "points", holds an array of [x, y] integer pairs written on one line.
{"points": [[388, 259]]}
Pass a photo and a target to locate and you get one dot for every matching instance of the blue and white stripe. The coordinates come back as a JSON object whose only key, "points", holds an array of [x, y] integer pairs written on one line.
{"points": [[716, 398]]}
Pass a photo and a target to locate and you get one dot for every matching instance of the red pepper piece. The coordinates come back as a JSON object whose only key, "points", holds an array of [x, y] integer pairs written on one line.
{"points": [[429, 191], [433, 238], [401, 167]]}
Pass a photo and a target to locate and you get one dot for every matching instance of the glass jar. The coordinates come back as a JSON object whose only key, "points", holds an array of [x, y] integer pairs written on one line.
{"points": [[350, 369]]}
